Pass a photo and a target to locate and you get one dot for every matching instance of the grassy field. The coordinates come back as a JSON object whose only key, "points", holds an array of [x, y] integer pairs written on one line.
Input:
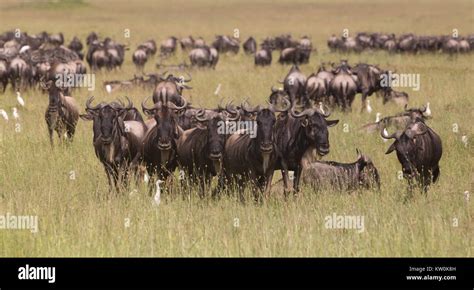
{"points": [[77, 216]]}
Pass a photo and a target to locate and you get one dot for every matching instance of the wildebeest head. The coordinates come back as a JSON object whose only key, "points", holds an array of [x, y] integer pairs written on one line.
{"points": [[277, 96], [368, 173], [406, 145], [316, 127], [166, 129]]}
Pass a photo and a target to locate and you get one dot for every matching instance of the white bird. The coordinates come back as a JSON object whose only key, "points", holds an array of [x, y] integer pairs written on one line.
{"points": [[377, 117], [4, 114], [385, 132], [157, 197], [368, 107], [466, 195], [146, 178], [20, 99], [24, 48], [16, 115], [108, 88], [321, 107], [464, 140], [216, 92], [428, 110]]}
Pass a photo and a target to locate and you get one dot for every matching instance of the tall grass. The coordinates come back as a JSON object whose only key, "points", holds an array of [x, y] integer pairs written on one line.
{"points": [[78, 217]]}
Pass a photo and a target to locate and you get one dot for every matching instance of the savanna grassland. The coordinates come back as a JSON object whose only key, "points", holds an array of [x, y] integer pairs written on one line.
{"points": [[78, 217]]}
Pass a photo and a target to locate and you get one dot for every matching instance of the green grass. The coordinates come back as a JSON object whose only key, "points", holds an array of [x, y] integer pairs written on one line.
{"points": [[79, 218]]}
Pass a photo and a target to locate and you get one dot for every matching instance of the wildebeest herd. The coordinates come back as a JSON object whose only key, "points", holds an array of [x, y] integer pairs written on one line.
{"points": [[410, 43], [287, 134]]}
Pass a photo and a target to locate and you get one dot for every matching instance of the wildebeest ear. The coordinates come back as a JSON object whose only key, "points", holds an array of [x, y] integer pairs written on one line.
{"points": [[391, 148], [332, 122], [86, 117]]}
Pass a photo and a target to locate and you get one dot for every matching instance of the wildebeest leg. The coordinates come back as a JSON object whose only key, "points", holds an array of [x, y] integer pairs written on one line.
{"points": [[285, 175], [436, 173], [364, 99], [297, 177], [221, 185], [268, 184]]}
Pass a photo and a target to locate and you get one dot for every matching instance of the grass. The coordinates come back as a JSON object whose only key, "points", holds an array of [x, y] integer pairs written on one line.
{"points": [[77, 217]]}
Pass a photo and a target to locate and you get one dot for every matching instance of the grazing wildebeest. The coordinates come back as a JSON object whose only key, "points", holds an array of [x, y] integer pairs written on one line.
{"points": [[149, 46], [317, 85], [263, 57], [361, 174], [4, 74], [418, 150], [76, 46], [200, 149], [369, 80], [451, 46], [20, 73], [399, 121], [344, 86], [224, 43], [117, 141], [168, 46], [407, 43], [390, 95], [250, 45], [172, 87], [204, 57], [294, 55], [251, 160], [295, 134], [187, 43], [139, 58], [294, 84], [159, 144], [62, 113]]}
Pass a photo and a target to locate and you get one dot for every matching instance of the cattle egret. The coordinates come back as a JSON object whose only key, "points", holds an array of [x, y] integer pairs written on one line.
{"points": [[464, 140], [385, 132], [108, 88], [428, 110], [368, 107], [466, 195], [16, 115], [24, 49], [4, 114], [377, 117], [20, 99], [216, 92], [157, 197], [146, 178], [321, 107]]}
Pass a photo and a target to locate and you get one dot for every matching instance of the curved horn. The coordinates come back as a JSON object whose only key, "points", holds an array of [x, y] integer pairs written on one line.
{"points": [[307, 112], [89, 102], [163, 74], [174, 107], [236, 113], [324, 112], [249, 110], [144, 107], [130, 104], [189, 79], [285, 109], [384, 134], [274, 90], [200, 115]]}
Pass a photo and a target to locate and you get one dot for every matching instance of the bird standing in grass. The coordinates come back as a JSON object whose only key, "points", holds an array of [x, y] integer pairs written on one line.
{"points": [[20, 99], [157, 197], [4, 114]]}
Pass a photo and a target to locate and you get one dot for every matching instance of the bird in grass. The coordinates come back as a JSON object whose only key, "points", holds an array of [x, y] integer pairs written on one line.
{"points": [[377, 117], [157, 197], [428, 110], [4, 114], [368, 107], [16, 115], [20, 99]]}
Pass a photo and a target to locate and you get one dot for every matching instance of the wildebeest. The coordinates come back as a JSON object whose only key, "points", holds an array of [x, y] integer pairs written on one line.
{"points": [[140, 58], [344, 86], [76, 46], [159, 144], [294, 84], [187, 43], [62, 113], [117, 141], [263, 57], [361, 174], [248, 159], [250, 45], [418, 150], [168, 46], [204, 57], [399, 121], [3, 74], [295, 134], [369, 80], [294, 55], [390, 95], [20, 73], [317, 85], [224, 43], [200, 149], [171, 87]]}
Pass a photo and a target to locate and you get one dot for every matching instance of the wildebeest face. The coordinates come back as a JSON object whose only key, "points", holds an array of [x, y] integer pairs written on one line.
{"points": [[265, 122], [107, 117], [316, 130], [215, 140], [166, 128]]}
